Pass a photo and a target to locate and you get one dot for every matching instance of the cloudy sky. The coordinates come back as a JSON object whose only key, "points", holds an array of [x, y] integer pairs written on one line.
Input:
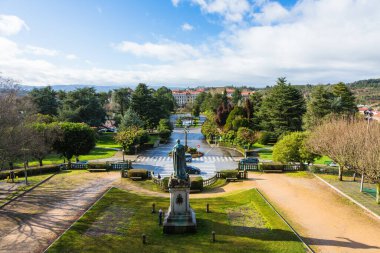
{"points": [[189, 42]]}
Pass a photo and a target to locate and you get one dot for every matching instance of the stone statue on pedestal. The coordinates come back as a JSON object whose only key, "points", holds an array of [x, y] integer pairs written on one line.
{"points": [[180, 218]]}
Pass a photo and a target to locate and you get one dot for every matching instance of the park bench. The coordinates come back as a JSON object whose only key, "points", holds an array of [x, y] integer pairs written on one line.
{"points": [[136, 178], [231, 179], [272, 171], [97, 170]]}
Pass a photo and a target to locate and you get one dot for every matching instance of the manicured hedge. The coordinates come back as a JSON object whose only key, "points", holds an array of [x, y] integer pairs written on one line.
{"points": [[31, 171], [229, 173], [97, 166], [138, 173], [196, 183], [272, 166]]}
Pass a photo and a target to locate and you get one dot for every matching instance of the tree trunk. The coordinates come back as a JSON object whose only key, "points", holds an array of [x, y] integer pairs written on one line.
{"points": [[340, 173], [40, 161], [378, 193], [69, 164], [362, 182]]}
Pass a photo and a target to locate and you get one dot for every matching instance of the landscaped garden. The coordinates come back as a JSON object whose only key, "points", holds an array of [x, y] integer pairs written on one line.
{"points": [[242, 222]]}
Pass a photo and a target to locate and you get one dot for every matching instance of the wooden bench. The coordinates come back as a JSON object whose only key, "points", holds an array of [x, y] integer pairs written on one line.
{"points": [[136, 178], [231, 179], [272, 171], [97, 170]]}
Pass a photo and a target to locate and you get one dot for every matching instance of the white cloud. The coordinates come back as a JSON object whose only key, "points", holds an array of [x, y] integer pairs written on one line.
{"points": [[231, 10], [175, 2], [187, 27], [316, 41], [271, 12], [165, 51], [72, 57], [11, 25], [40, 51]]}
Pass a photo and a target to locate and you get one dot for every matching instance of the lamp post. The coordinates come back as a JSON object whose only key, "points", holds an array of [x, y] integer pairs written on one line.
{"points": [[368, 115], [185, 131]]}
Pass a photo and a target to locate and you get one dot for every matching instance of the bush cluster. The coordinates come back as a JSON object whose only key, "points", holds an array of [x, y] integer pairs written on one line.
{"points": [[196, 183], [31, 171], [138, 173], [272, 166], [229, 173]]}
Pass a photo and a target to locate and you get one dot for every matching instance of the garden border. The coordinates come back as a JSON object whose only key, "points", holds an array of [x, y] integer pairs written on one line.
{"points": [[348, 197]]}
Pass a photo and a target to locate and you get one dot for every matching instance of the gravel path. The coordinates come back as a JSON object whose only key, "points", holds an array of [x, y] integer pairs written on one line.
{"points": [[35, 220], [327, 221]]}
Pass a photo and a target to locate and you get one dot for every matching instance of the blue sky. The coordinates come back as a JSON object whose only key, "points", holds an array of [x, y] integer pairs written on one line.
{"points": [[188, 42]]}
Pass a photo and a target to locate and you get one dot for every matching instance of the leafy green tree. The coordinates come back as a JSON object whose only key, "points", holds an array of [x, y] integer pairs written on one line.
{"points": [[131, 118], [210, 129], [127, 138], [122, 97], [292, 148], [45, 100], [318, 106], [246, 136], [164, 134], [282, 109], [165, 124], [83, 105], [76, 139], [237, 111], [196, 110], [236, 96]]}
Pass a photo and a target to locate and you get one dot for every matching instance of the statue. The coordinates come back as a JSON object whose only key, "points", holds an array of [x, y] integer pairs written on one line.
{"points": [[179, 162]]}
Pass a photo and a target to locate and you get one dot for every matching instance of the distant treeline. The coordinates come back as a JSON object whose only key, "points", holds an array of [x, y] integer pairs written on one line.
{"points": [[369, 83]]}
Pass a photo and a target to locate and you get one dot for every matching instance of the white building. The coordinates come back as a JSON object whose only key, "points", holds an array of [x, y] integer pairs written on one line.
{"points": [[184, 97]]}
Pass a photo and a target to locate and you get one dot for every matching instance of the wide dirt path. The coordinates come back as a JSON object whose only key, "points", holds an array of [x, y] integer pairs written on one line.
{"points": [[35, 220], [327, 221]]}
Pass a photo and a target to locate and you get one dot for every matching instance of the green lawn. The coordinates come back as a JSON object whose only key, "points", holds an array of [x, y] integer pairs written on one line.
{"points": [[96, 153], [106, 140], [266, 154], [243, 222], [322, 160]]}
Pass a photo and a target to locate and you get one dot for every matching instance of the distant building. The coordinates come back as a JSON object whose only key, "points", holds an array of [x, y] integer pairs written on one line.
{"points": [[184, 97]]}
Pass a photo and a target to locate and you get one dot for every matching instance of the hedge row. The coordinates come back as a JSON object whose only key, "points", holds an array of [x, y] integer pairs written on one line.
{"points": [[229, 173], [196, 183], [31, 171], [272, 166], [138, 173]]}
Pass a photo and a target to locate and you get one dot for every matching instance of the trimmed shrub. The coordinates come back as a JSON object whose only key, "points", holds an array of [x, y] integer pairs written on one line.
{"points": [[272, 166], [31, 171], [165, 134], [138, 173], [229, 173], [324, 169], [196, 183], [142, 136]]}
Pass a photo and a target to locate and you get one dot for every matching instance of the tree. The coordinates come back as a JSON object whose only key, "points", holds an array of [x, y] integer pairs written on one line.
{"points": [[166, 101], [146, 106], [45, 100], [344, 99], [122, 98], [282, 109], [318, 106], [83, 105], [222, 113], [131, 118], [246, 136], [236, 96], [291, 148], [165, 124], [236, 112], [76, 139], [256, 101], [210, 129], [127, 138]]}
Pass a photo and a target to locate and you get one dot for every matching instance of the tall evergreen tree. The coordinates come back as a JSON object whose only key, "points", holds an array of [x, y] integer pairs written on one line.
{"points": [[165, 99], [282, 108], [45, 100], [318, 106], [122, 98], [344, 99], [236, 96]]}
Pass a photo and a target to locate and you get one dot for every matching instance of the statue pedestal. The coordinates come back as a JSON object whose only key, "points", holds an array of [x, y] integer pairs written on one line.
{"points": [[180, 218]]}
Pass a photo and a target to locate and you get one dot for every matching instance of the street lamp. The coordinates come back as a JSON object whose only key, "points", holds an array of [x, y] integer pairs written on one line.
{"points": [[185, 131], [368, 114]]}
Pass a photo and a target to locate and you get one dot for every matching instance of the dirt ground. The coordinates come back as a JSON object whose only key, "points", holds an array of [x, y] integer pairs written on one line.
{"points": [[326, 221], [31, 223]]}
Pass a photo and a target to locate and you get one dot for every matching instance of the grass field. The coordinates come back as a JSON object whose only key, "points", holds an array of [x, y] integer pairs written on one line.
{"points": [[106, 140], [242, 222]]}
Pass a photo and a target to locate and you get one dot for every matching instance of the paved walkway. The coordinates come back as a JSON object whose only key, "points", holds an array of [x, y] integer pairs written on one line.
{"points": [[36, 219], [327, 221], [351, 188]]}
